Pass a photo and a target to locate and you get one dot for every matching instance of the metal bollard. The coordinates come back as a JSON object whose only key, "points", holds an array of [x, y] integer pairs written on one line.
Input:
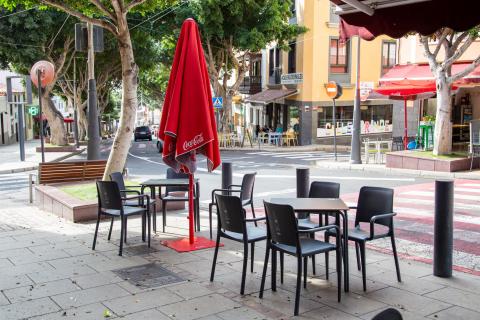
{"points": [[31, 181], [443, 229], [226, 175], [303, 185]]}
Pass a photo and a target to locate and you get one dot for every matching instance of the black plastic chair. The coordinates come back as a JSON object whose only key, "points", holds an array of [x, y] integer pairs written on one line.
{"points": [[124, 191], [375, 207], [284, 236], [318, 189], [168, 197], [388, 314], [232, 224], [244, 190], [110, 203], [397, 144]]}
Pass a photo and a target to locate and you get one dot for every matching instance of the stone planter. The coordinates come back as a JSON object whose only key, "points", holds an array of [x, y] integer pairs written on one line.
{"points": [[407, 160], [58, 149]]}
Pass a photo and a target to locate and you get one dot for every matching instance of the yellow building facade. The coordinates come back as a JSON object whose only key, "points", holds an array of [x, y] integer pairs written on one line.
{"points": [[314, 59]]}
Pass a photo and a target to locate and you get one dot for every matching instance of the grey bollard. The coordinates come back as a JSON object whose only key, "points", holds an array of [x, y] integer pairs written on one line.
{"points": [[303, 185], [226, 175], [443, 229]]}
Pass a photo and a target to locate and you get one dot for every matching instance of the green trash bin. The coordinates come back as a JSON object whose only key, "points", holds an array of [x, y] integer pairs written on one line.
{"points": [[425, 133]]}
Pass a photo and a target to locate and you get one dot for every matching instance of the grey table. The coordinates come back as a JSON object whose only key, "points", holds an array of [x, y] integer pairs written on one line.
{"points": [[152, 184], [322, 206]]}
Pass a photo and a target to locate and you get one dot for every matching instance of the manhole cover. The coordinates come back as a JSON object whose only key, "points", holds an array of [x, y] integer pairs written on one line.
{"points": [[140, 250], [148, 276]]}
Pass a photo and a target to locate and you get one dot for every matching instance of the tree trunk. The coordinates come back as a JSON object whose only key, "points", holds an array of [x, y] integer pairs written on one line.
{"points": [[121, 143], [443, 126], [55, 120], [82, 121]]}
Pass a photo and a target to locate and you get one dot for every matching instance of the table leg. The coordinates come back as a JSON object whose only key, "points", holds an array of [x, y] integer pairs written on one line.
{"points": [[345, 251], [154, 216]]}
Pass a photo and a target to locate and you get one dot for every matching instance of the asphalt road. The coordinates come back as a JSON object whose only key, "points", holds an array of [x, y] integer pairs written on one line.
{"points": [[275, 171]]}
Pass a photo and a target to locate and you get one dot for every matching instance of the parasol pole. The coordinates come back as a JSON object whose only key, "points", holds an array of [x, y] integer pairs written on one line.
{"points": [[405, 138], [190, 209]]}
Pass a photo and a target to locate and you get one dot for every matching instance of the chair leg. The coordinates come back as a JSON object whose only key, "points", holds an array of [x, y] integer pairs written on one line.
{"points": [[155, 219], [299, 285], [149, 234], [281, 267], [252, 258], [122, 234], [314, 271], [364, 273], [305, 267], [144, 221], [111, 227], [210, 218], [357, 251], [253, 213], [264, 273], [164, 215], [327, 273], [274, 270], [395, 256], [244, 269], [339, 272], [125, 230], [217, 244], [96, 232]]}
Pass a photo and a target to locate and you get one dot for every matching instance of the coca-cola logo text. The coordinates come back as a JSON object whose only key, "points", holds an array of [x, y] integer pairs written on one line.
{"points": [[194, 142]]}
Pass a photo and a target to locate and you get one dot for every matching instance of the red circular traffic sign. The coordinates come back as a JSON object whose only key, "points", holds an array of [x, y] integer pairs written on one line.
{"points": [[334, 90]]}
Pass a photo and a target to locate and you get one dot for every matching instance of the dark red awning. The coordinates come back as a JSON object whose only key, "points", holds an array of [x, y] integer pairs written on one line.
{"points": [[68, 120], [396, 18]]}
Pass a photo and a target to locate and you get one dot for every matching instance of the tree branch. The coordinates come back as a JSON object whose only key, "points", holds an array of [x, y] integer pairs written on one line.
{"points": [[465, 71], [458, 53], [442, 38], [133, 4], [459, 40], [430, 57], [62, 6], [104, 9]]}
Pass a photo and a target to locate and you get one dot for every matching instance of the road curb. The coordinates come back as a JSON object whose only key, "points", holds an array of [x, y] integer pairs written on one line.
{"points": [[409, 172], [35, 167]]}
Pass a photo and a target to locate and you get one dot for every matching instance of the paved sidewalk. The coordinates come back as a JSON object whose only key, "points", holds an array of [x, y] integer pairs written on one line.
{"points": [[48, 271], [10, 157]]}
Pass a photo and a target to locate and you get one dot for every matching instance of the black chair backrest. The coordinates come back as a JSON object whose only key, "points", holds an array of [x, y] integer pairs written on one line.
{"points": [[118, 178], [282, 223], [231, 214], [171, 174], [323, 189], [109, 195], [374, 201], [389, 314], [248, 182]]}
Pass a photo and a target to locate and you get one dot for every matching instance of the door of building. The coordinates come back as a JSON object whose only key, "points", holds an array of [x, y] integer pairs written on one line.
{"points": [[2, 132]]}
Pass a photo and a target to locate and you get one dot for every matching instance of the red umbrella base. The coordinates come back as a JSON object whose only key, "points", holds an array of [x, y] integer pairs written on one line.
{"points": [[184, 245]]}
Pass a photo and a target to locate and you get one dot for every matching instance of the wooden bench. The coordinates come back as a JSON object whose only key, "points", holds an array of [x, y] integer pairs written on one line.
{"points": [[55, 172]]}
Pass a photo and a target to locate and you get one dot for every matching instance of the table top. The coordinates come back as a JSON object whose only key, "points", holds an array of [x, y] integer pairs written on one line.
{"points": [[312, 204], [166, 182]]}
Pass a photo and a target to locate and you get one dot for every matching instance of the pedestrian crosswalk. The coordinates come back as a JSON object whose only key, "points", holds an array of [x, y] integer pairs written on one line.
{"points": [[13, 182], [302, 156]]}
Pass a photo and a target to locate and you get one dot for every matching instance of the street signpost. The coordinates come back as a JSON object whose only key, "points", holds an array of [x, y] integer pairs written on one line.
{"points": [[334, 91], [217, 102]]}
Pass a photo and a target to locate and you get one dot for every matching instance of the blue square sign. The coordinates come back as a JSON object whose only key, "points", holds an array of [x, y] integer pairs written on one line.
{"points": [[217, 102]]}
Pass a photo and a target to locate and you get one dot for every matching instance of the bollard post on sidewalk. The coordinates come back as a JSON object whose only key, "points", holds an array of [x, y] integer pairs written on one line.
{"points": [[303, 185], [226, 175], [31, 181], [443, 229]]}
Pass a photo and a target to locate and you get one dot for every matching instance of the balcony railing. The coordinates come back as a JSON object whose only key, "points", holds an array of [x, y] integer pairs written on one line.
{"points": [[251, 85]]}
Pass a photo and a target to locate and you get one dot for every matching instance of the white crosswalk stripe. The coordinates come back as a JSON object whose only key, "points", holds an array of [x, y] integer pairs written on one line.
{"points": [[303, 156], [12, 182]]}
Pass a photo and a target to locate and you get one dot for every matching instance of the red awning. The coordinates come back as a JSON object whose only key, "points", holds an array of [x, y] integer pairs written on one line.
{"points": [[68, 120], [396, 18], [420, 75]]}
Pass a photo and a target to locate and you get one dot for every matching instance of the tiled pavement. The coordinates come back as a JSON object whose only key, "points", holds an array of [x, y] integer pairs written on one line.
{"points": [[48, 271]]}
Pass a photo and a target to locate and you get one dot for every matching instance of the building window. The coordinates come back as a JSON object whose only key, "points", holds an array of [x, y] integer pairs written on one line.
{"points": [[271, 61], [339, 56], [334, 18], [389, 55], [274, 66], [292, 58]]}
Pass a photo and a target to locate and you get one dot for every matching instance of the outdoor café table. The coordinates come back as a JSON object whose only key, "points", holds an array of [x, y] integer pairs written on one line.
{"points": [[322, 206], [152, 184]]}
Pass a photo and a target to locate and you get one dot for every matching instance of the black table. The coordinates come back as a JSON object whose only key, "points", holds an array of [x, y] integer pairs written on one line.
{"points": [[322, 206], [152, 184]]}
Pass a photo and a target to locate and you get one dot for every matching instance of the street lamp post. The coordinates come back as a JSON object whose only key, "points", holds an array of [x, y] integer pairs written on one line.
{"points": [[93, 146]]}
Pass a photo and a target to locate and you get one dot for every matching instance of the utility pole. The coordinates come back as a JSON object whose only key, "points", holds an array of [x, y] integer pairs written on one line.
{"points": [[355, 155], [75, 114], [93, 147]]}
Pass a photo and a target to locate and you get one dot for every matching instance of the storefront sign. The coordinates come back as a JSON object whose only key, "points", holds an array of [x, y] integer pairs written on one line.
{"points": [[291, 78], [33, 110], [346, 128], [365, 89]]}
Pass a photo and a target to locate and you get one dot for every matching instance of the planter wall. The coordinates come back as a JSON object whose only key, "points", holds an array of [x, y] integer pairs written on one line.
{"points": [[405, 160]]}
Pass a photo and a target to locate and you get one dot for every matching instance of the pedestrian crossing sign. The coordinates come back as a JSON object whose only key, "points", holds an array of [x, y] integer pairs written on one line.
{"points": [[217, 102]]}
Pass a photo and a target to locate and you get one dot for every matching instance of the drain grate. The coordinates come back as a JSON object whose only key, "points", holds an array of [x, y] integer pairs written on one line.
{"points": [[147, 276]]}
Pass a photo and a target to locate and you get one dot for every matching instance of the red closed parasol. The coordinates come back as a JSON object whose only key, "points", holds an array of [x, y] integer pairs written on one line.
{"points": [[188, 125]]}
